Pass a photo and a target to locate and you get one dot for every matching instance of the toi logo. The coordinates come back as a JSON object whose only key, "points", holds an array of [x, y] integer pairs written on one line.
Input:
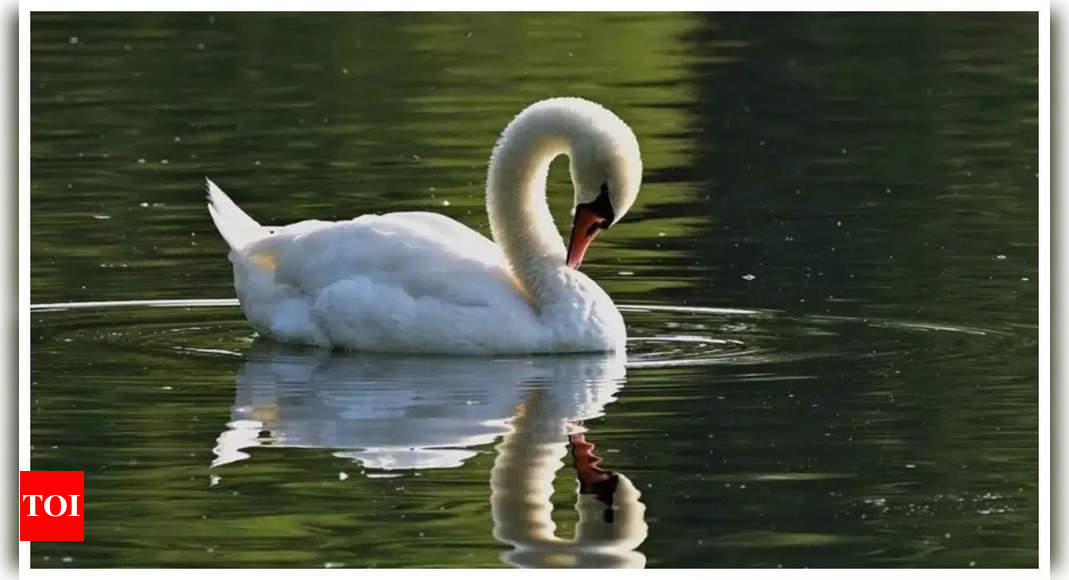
{"points": [[51, 506]]}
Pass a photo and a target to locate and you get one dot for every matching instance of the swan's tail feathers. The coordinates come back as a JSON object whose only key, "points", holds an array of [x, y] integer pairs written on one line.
{"points": [[236, 227]]}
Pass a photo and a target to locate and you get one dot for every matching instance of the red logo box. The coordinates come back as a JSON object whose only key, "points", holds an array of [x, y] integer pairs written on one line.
{"points": [[51, 506]]}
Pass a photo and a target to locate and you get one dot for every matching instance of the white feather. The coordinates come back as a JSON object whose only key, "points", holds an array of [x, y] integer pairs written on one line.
{"points": [[236, 227]]}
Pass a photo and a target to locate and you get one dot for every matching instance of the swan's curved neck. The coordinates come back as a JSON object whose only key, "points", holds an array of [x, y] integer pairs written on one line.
{"points": [[520, 220]]}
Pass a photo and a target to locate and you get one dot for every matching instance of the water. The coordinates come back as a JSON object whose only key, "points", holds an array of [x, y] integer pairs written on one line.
{"points": [[829, 279]]}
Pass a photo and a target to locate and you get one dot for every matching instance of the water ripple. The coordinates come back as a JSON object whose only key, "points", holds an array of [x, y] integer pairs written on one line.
{"points": [[661, 336]]}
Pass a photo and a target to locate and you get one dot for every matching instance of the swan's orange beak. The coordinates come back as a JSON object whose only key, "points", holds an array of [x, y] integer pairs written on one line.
{"points": [[585, 228]]}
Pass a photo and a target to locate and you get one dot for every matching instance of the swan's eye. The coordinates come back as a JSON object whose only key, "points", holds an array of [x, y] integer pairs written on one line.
{"points": [[603, 207]]}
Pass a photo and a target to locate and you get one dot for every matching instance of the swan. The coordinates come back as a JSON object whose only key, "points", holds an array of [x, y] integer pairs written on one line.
{"points": [[419, 282]]}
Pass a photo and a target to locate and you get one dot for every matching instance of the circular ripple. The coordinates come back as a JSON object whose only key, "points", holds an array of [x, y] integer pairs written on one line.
{"points": [[660, 336]]}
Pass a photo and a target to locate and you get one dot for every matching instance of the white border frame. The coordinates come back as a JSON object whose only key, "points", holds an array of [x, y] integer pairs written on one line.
{"points": [[1044, 19]]}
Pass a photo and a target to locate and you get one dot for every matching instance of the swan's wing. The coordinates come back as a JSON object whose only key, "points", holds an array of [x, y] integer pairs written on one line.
{"points": [[404, 282], [424, 255]]}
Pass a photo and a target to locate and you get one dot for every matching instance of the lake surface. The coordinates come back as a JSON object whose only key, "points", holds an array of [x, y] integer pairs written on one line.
{"points": [[829, 279]]}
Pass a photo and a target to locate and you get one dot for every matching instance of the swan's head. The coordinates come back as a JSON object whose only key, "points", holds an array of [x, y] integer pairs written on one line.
{"points": [[606, 172]]}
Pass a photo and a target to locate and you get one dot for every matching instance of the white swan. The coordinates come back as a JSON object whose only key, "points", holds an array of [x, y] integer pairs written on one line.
{"points": [[420, 282]]}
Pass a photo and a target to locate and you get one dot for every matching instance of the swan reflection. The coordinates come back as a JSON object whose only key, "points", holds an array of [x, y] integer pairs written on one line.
{"points": [[611, 523], [392, 412]]}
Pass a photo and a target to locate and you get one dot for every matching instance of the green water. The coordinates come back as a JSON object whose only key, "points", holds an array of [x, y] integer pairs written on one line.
{"points": [[830, 281]]}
